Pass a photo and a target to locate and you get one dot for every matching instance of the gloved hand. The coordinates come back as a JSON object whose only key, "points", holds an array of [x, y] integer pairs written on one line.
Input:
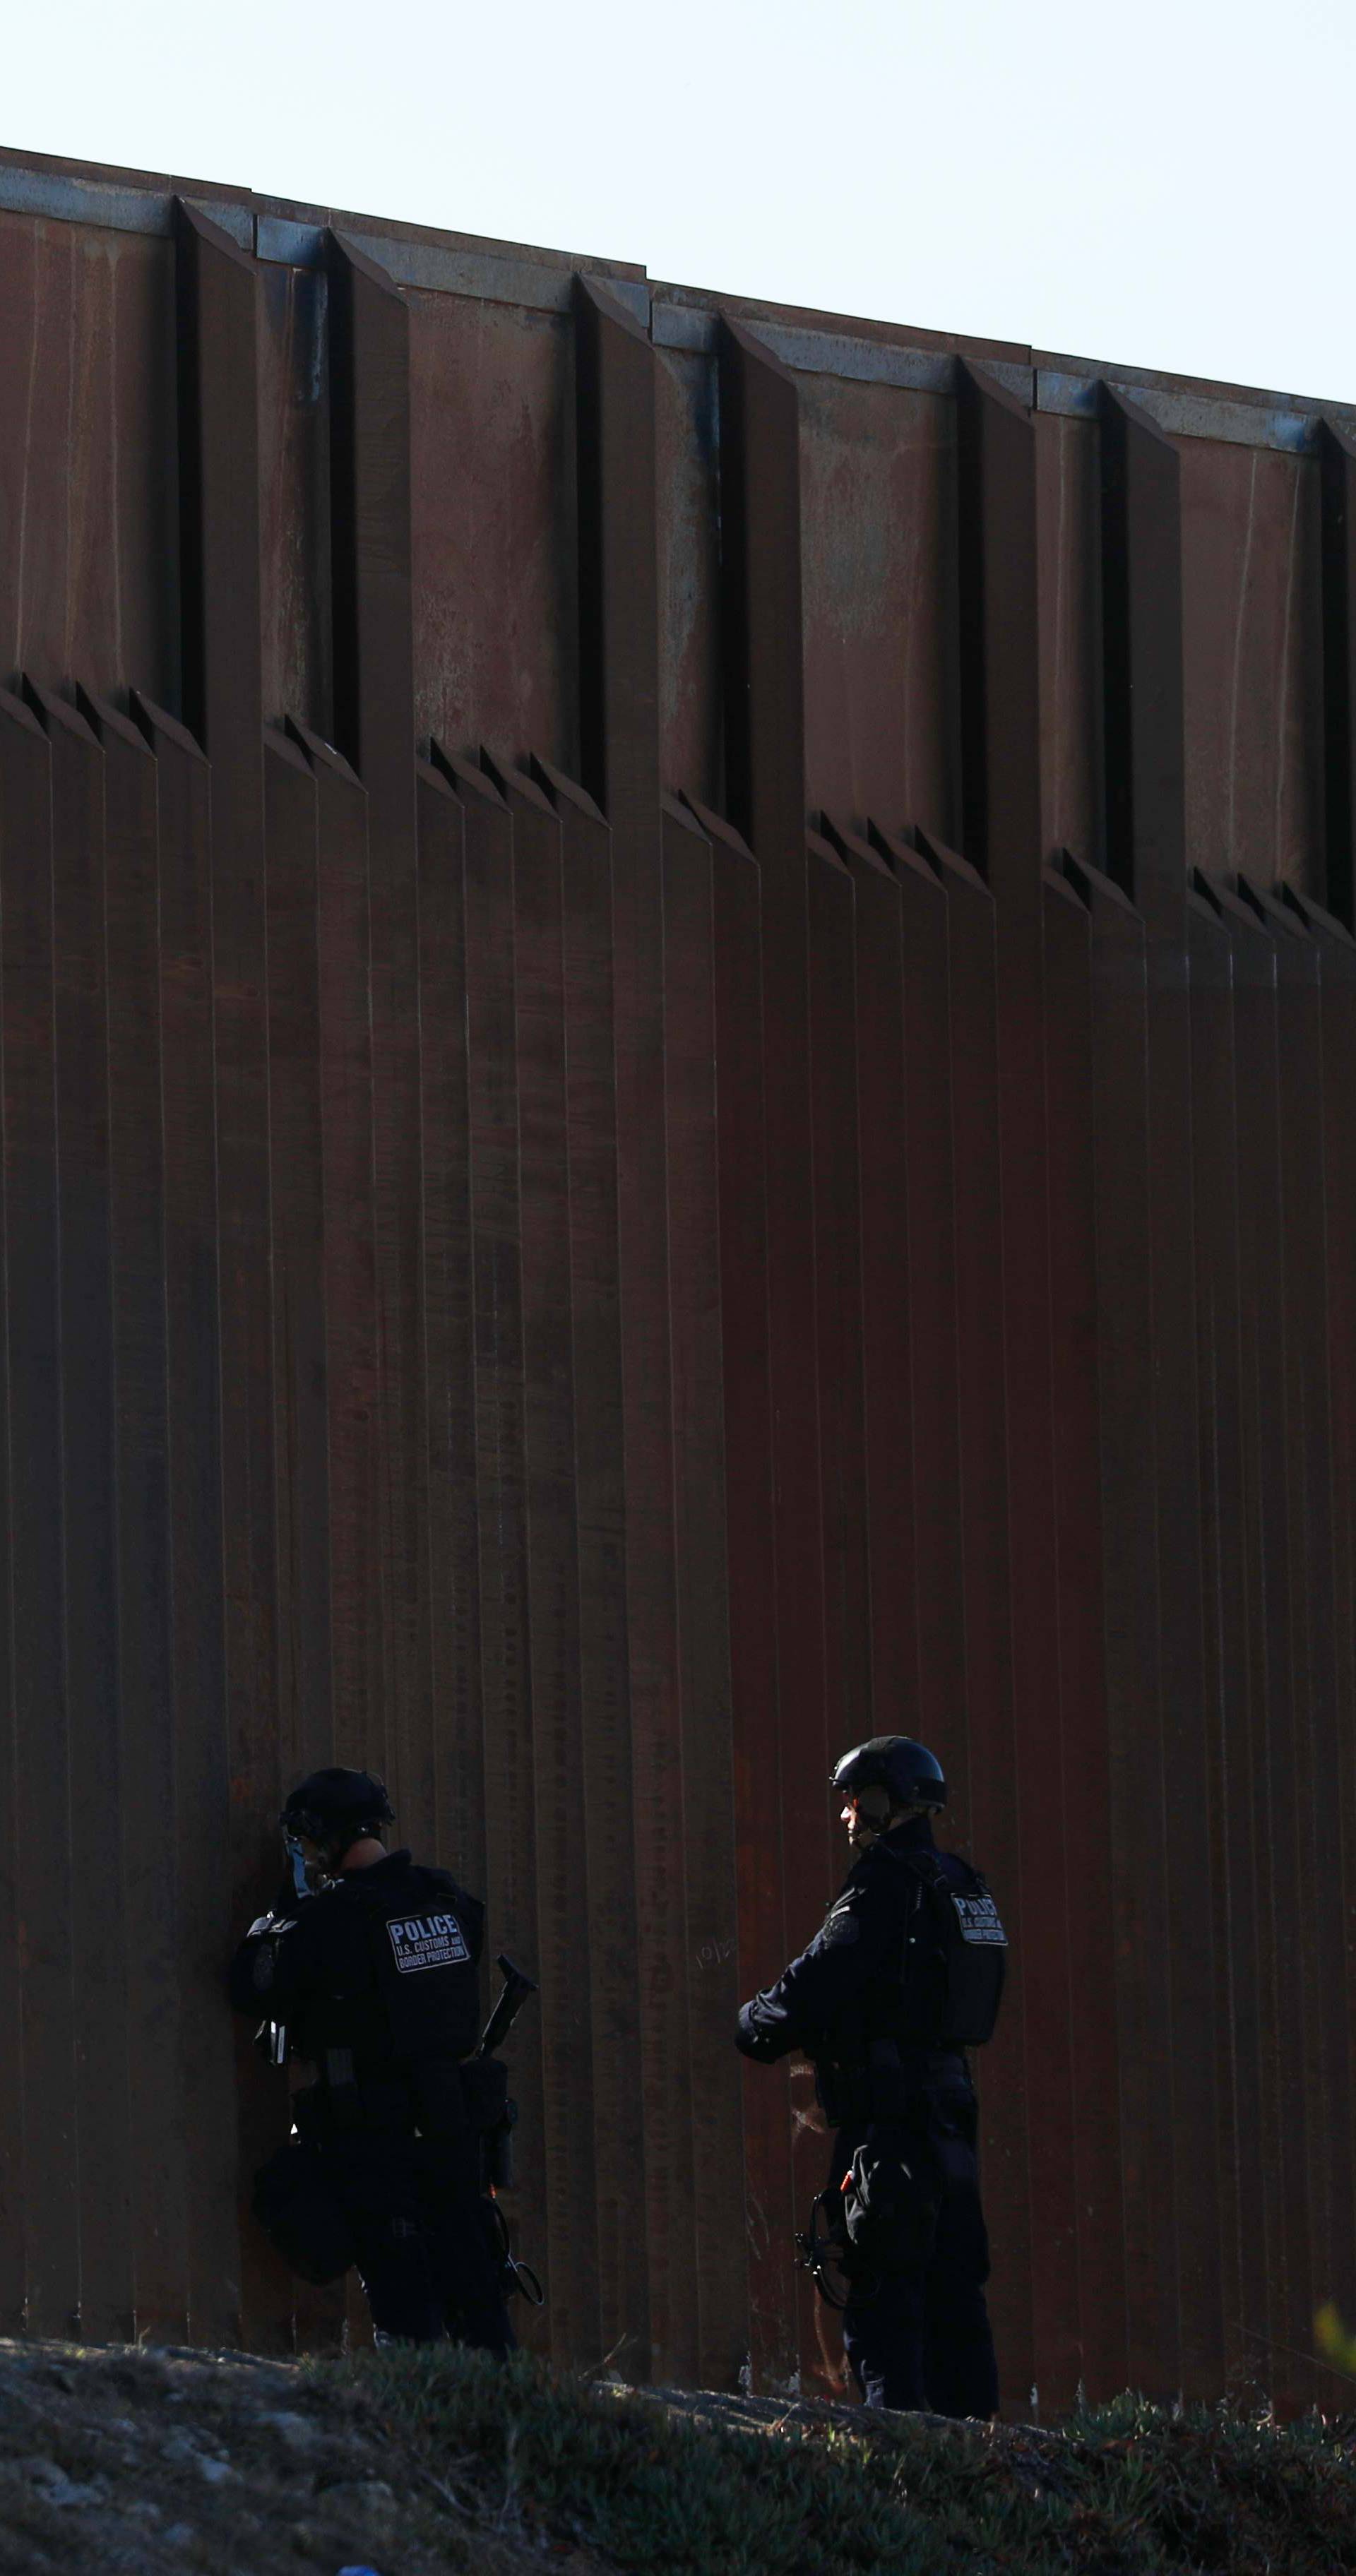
{"points": [[753, 2038]]}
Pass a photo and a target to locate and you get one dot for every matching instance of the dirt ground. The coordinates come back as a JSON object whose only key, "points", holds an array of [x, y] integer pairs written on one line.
{"points": [[177, 2461]]}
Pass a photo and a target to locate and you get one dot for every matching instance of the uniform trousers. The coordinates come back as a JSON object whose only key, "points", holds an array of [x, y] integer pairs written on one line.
{"points": [[424, 2243], [918, 2335], [408, 2212]]}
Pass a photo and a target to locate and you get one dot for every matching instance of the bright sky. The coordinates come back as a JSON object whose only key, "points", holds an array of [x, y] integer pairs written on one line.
{"points": [[1167, 184]]}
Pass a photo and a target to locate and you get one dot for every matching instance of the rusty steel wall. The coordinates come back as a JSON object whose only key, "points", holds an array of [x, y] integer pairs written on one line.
{"points": [[677, 1081]]}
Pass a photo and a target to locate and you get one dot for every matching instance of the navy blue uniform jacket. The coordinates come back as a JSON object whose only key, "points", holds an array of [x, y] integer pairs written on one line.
{"points": [[847, 1988]]}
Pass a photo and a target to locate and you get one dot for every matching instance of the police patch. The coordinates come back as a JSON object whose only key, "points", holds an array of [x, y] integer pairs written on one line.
{"points": [[979, 1921], [841, 1927], [428, 1941]]}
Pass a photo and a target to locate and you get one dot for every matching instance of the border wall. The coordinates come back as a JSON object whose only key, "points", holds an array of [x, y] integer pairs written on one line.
{"points": [[678, 1081]]}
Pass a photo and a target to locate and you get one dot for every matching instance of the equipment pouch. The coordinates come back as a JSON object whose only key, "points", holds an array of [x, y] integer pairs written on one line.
{"points": [[302, 2216], [484, 2085], [492, 2115], [889, 2210], [496, 2151], [843, 2093], [440, 2098]]}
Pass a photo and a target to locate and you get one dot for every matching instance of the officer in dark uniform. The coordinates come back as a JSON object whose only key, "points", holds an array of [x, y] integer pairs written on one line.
{"points": [[369, 1963], [906, 1971]]}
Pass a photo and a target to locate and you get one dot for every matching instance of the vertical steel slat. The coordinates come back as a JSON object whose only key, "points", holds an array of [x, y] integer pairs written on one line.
{"points": [[619, 747], [573, 2179], [300, 1324], [840, 1352], [841, 1333], [1130, 1592], [449, 1333], [203, 1746], [620, 2123], [1001, 791], [765, 771], [219, 494], [1001, 794], [839, 1298], [1004, 2079], [1146, 840], [1237, 2018], [1101, 2316], [374, 729], [1337, 578], [16, 795], [143, 1526], [1335, 1784], [1315, 2005], [51, 2185], [306, 1711], [351, 1366], [750, 1472], [1280, 2110], [923, 1109], [878, 967], [716, 2321], [103, 2107], [501, 1455]]}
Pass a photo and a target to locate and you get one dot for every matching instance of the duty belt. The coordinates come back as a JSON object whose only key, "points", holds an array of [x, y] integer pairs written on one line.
{"points": [[879, 2085]]}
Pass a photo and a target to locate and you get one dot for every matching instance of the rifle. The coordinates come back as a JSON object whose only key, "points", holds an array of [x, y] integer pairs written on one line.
{"points": [[497, 2136], [516, 1988]]}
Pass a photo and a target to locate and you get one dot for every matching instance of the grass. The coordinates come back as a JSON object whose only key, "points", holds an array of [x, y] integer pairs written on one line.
{"points": [[1124, 2490]]}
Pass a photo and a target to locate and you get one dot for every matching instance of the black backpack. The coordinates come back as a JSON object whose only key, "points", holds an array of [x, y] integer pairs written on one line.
{"points": [[971, 1943]]}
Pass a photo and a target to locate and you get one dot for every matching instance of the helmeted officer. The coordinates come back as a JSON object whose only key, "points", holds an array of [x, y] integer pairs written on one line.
{"points": [[369, 1962], [906, 1971]]}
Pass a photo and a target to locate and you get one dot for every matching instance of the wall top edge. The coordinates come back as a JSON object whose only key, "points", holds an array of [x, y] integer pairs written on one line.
{"points": [[677, 318]]}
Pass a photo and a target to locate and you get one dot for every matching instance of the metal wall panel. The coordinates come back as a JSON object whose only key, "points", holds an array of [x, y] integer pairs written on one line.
{"points": [[1094, 2061], [138, 1187], [48, 2199], [1001, 778], [1224, 1553], [719, 2273], [677, 1028]]}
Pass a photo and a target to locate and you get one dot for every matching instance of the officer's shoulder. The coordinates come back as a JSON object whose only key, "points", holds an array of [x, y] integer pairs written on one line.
{"points": [[888, 1871], [874, 1873], [440, 1882], [960, 1871], [875, 1866]]}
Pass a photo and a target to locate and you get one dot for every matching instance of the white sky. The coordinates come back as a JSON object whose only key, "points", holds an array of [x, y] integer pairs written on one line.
{"points": [[1167, 184]]}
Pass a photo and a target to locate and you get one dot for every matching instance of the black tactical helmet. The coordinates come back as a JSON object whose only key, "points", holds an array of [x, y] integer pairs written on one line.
{"points": [[336, 1808], [910, 1775]]}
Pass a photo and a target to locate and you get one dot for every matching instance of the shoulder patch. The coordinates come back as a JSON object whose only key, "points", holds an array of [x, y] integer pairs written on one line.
{"points": [[979, 1923], [427, 1941], [840, 1926]]}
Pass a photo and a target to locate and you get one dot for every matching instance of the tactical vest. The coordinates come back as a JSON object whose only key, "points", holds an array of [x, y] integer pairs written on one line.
{"points": [[969, 1941], [405, 1991], [424, 1971]]}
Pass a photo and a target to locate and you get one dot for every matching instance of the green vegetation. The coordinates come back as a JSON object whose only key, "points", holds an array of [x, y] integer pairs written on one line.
{"points": [[554, 2465]]}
